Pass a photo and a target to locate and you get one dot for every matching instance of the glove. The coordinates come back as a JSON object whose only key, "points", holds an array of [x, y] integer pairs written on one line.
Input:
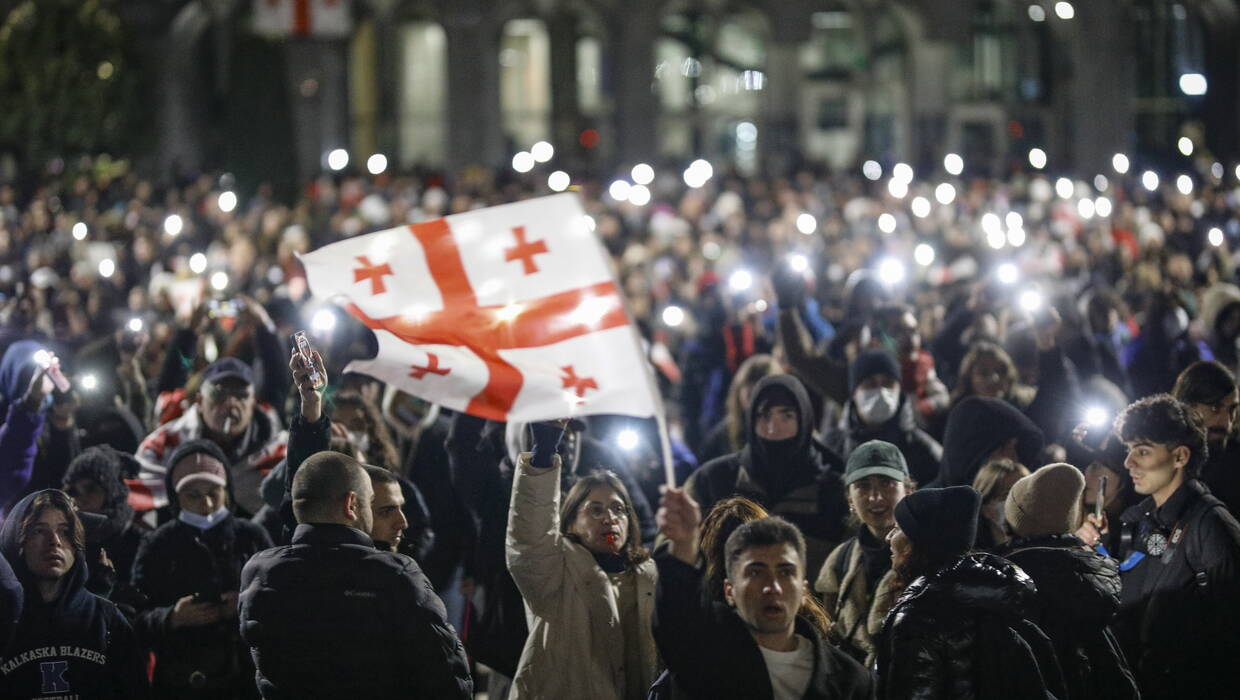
{"points": [[547, 438]]}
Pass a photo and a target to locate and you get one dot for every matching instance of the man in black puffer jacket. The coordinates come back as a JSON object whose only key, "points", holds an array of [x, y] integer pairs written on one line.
{"points": [[961, 629], [981, 430], [1078, 588]]}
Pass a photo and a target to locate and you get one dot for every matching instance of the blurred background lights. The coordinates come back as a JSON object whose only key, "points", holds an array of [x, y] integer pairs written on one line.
{"points": [[219, 281], [806, 223], [542, 151], [698, 172], [871, 170], [953, 164], [173, 225], [106, 268], [1184, 184], [134, 325], [1014, 220], [376, 164], [558, 181], [639, 195], [1016, 237], [1185, 145], [923, 254], [995, 239], [1216, 170], [642, 174], [1036, 13], [902, 171], [523, 162], [89, 382], [990, 222], [1149, 180], [897, 188], [1065, 10], [1101, 183], [1063, 188], [1215, 236], [1102, 207], [798, 262], [945, 193], [1085, 208], [1096, 416], [1037, 158], [673, 316], [619, 190], [197, 263], [1193, 84], [323, 321], [740, 281], [920, 207], [1119, 162], [1030, 300], [79, 231], [891, 271], [227, 201], [338, 159], [886, 223], [628, 439]]}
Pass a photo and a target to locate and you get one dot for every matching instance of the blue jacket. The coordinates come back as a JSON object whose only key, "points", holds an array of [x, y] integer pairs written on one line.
{"points": [[19, 434]]}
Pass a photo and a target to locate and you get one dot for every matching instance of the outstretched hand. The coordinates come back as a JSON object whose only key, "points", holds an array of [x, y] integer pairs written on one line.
{"points": [[679, 519]]}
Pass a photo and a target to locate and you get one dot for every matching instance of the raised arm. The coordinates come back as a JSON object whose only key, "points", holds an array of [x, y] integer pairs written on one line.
{"points": [[536, 552]]}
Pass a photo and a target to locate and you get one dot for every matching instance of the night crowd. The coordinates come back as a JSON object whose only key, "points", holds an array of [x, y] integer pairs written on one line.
{"points": [[933, 438]]}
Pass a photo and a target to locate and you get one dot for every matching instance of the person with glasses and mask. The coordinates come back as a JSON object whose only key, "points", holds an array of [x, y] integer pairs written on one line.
{"points": [[227, 413]]}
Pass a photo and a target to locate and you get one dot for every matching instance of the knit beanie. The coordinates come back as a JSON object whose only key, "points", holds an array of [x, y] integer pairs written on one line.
{"points": [[183, 473], [870, 363], [942, 521], [1047, 502]]}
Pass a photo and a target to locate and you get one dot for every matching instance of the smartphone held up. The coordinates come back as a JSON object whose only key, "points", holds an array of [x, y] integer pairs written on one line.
{"points": [[302, 344]]}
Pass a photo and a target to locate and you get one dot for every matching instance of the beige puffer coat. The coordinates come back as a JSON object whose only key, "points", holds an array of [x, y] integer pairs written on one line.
{"points": [[857, 615]]}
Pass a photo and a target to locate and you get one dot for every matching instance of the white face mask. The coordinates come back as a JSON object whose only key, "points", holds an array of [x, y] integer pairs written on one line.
{"points": [[203, 522], [876, 406]]}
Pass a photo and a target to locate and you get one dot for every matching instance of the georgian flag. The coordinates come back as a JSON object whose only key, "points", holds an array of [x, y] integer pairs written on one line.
{"points": [[321, 18], [508, 313]]}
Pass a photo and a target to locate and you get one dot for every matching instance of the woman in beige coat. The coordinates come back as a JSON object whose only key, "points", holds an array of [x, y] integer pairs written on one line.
{"points": [[587, 582]]}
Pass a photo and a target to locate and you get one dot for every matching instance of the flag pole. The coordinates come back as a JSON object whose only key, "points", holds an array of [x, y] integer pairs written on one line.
{"points": [[660, 413]]}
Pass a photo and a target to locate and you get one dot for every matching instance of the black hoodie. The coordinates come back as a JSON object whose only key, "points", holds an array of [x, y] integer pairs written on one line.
{"points": [[76, 646], [977, 427], [803, 485]]}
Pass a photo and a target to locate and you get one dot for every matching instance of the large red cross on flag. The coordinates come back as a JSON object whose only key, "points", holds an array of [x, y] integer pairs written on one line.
{"points": [[508, 313], [320, 18]]}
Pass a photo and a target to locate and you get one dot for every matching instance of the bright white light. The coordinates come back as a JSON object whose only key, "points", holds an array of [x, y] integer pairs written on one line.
{"points": [[323, 321], [798, 262], [558, 181], [619, 190], [1096, 416], [923, 254], [1016, 237], [1215, 236], [995, 239], [760, 305], [1014, 220], [673, 316], [1184, 184], [639, 195], [1216, 170], [523, 162], [1102, 207], [1007, 273], [1065, 10], [42, 358], [173, 225], [1193, 84], [898, 188], [1030, 300], [542, 151], [376, 164], [227, 201], [79, 231], [1185, 145], [945, 193], [106, 267], [134, 325], [642, 174], [197, 263], [1101, 183], [806, 223], [953, 164], [1037, 158], [1119, 162], [703, 169], [509, 312], [891, 271], [338, 159], [902, 171], [740, 280], [886, 223], [920, 207], [990, 222], [1086, 209], [219, 281], [1238, 172], [89, 382], [1149, 180], [628, 439], [871, 170], [591, 310], [1036, 13], [1063, 188]]}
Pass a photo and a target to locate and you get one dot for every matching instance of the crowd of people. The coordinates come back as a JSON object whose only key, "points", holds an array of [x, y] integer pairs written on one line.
{"points": [[941, 438]]}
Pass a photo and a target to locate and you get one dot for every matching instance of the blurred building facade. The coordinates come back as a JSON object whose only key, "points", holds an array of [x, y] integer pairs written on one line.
{"points": [[758, 84]]}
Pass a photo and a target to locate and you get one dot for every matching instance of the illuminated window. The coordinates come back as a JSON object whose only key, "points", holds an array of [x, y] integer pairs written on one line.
{"points": [[423, 94], [525, 81]]}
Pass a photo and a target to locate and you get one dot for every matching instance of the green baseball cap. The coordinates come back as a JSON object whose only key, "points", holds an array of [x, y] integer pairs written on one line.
{"points": [[875, 458]]}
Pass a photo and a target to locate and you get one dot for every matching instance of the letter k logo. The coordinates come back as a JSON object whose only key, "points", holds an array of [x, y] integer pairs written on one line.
{"points": [[54, 676]]}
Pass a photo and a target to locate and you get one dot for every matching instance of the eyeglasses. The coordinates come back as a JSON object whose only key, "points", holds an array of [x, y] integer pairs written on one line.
{"points": [[598, 511]]}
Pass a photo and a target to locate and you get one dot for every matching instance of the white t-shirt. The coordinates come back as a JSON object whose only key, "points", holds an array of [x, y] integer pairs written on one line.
{"points": [[790, 671]]}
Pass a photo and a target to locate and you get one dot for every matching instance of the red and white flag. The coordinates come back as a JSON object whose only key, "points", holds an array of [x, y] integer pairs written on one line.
{"points": [[508, 313], [322, 18]]}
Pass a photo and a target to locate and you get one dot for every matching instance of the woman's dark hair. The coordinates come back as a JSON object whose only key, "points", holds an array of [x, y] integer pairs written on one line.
{"points": [[1206, 382], [1163, 420], [634, 552], [55, 500], [382, 452], [922, 563]]}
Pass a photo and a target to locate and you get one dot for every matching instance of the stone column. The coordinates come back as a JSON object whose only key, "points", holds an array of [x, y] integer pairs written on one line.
{"points": [[565, 114], [319, 96], [630, 75], [475, 130], [1102, 92]]}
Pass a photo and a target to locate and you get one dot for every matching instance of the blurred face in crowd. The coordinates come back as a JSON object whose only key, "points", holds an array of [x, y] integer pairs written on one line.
{"points": [[227, 406], [88, 495], [990, 378], [908, 339], [766, 585], [877, 398], [776, 422], [389, 521], [1218, 418], [48, 545], [602, 521], [1157, 470], [874, 500], [201, 497]]}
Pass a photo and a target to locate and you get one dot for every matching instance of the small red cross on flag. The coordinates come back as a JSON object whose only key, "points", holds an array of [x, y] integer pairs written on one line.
{"points": [[460, 324]]}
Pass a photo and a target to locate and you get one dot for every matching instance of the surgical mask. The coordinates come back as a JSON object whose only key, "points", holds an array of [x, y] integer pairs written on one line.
{"points": [[877, 405], [360, 440], [203, 522]]}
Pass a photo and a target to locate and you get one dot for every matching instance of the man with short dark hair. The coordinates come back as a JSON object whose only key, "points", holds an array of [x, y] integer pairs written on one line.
{"points": [[388, 516], [1209, 388], [298, 601], [1180, 556]]}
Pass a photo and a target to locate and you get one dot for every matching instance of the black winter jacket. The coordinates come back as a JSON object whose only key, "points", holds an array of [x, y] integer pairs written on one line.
{"points": [[77, 646], [1177, 620], [978, 426], [711, 655], [922, 452], [1078, 596], [964, 633], [330, 616]]}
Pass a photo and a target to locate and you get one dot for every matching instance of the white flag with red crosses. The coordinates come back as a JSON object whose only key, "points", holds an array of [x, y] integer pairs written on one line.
{"points": [[508, 313]]}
